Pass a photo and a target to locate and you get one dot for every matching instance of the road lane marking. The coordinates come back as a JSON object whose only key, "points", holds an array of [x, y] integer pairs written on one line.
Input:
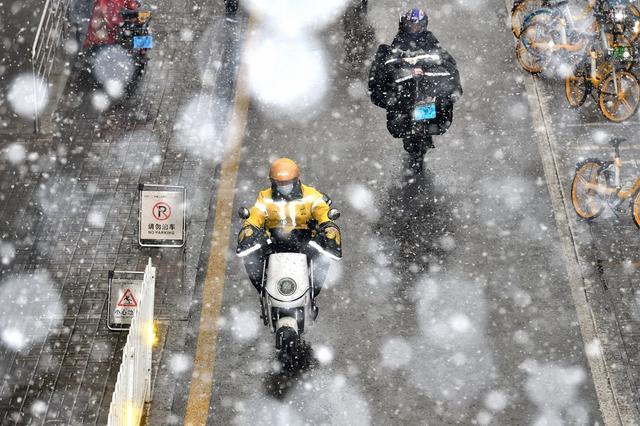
{"points": [[202, 376]]}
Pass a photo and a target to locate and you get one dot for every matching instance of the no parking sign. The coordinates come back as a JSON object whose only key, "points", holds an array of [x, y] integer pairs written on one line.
{"points": [[162, 218]]}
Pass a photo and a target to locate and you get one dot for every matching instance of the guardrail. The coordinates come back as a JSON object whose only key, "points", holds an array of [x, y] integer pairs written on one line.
{"points": [[48, 38], [133, 386]]}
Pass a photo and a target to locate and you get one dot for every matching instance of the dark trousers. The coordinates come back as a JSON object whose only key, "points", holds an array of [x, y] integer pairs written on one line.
{"points": [[418, 144]]}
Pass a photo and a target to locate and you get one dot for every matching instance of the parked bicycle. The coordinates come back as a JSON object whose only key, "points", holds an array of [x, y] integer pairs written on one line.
{"points": [[596, 184], [621, 13], [556, 33], [562, 33], [520, 10], [606, 76]]}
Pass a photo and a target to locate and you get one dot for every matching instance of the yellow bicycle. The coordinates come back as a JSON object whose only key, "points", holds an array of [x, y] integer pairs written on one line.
{"points": [[520, 10], [619, 13], [555, 34], [596, 184], [606, 76]]}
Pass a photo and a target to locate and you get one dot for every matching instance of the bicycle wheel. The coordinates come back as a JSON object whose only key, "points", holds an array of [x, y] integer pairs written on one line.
{"points": [[587, 203], [519, 11], [576, 88], [619, 105], [635, 208], [528, 52]]}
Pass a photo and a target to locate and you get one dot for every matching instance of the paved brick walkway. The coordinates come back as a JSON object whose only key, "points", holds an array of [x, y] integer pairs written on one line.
{"points": [[71, 211]]}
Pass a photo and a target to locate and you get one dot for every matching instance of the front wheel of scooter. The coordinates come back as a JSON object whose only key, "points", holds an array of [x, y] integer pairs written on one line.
{"points": [[138, 71], [288, 342]]}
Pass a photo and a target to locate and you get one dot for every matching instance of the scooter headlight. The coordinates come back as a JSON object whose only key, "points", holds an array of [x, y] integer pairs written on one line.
{"points": [[287, 286]]}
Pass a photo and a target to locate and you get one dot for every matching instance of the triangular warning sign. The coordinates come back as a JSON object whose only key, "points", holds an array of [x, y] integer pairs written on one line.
{"points": [[127, 300]]}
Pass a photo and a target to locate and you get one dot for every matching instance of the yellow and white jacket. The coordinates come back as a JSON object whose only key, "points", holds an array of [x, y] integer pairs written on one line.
{"points": [[288, 215]]}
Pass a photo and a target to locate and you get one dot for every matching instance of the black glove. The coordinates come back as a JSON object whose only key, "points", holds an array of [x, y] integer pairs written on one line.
{"points": [[250, 237], [329, 238]]}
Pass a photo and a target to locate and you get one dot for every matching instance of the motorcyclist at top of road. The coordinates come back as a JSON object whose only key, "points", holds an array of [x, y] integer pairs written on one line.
{"points": [[106, 19], [412, 38], [417, 51], [290, 214]]}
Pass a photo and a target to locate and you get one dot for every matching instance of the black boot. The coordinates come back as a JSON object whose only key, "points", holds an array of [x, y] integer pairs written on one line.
{"points": [[428, 142], [416, 146], [417, 163]]}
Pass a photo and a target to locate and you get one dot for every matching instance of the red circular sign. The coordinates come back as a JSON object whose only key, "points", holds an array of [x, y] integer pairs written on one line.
{"points": [[161, 211]]}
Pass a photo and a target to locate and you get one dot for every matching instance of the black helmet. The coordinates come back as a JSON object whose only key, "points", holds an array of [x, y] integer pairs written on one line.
{"points": [[414, 21]]}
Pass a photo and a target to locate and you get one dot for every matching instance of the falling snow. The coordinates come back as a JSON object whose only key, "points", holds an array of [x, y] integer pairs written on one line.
{"points": [[454, 301]]}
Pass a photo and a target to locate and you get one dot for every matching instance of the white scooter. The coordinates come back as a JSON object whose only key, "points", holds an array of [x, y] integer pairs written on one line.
{"points": [[287, 295]]}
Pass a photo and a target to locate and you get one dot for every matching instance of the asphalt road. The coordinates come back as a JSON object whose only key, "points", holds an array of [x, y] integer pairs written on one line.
{"points": [[451, 303]]}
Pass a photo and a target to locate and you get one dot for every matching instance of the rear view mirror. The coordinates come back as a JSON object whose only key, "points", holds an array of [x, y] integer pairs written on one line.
{"points": [[333, 214], [243, 213]]}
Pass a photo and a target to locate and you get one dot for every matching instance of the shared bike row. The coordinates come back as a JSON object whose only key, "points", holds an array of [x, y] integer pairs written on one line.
{"points": [[592, 46]]}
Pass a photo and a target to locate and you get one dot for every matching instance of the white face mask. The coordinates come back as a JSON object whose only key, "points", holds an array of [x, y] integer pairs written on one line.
{"points": [[285, 189]]}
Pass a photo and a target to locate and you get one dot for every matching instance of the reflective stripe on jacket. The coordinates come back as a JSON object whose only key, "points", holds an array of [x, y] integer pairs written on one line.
{"points": [[288, 214]]}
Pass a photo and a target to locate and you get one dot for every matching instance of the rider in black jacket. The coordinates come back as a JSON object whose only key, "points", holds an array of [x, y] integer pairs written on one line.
{"points": [[414, 55]]}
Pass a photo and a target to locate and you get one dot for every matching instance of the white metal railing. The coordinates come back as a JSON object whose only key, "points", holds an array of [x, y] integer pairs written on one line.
{"points": [[133, 385], [48, 38]]}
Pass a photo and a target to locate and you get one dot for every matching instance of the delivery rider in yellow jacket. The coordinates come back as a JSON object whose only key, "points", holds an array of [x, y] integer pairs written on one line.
{"points": [[289, 217]]}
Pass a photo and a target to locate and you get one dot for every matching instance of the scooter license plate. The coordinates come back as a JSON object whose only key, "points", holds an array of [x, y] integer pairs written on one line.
{"points": [[143, 42], [424, 112]]}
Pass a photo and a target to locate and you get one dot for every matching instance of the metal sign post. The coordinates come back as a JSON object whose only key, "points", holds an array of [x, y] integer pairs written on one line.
{"points": [[124, 293], [162, 216]]}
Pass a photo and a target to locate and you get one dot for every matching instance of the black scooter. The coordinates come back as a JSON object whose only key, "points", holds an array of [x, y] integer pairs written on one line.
{"points": [[136, 38], [124, 61], [425, 97]]}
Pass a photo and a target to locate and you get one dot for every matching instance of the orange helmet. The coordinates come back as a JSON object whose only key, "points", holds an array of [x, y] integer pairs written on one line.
{"points": [[284, 170]]}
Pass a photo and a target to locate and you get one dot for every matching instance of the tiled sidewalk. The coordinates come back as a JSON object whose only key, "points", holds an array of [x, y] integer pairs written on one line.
{"points": [[71, 211], [609, 246]]}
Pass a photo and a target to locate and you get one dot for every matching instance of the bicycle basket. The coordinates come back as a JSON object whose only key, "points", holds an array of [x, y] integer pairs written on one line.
{"points": [[613, 3], [621, 53]]}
